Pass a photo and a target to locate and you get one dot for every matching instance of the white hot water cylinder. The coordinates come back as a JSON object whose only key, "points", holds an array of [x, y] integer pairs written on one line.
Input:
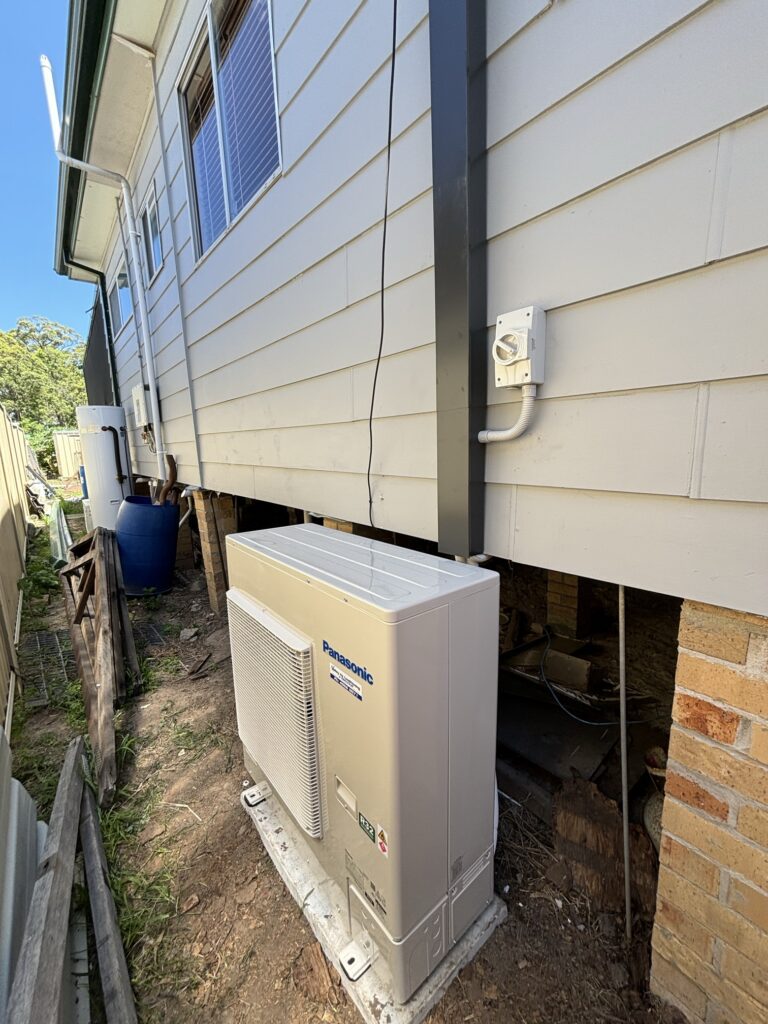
{"points": [[106, 458]]}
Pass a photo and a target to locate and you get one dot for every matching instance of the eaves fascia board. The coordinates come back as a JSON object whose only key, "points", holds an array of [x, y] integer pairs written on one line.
{"points": [[88, 34]]}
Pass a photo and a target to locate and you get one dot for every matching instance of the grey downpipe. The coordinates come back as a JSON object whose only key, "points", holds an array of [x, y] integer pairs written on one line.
{"points": [[133, 236]]}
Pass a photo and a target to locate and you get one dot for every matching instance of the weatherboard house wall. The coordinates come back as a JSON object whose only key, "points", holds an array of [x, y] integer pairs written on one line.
{"points": [[645, 462]]}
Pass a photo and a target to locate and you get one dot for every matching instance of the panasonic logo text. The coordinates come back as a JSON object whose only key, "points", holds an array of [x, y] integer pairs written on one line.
{"points": [[359, 670]]}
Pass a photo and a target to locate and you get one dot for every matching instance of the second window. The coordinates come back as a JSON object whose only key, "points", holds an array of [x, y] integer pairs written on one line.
{"points": [[231, 116]]}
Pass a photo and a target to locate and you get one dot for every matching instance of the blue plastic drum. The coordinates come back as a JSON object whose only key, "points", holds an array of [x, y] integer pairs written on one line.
{"points": [[146, 540]]}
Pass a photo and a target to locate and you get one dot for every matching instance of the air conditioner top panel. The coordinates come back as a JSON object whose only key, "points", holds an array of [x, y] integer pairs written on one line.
{"points": [[393, 582]]}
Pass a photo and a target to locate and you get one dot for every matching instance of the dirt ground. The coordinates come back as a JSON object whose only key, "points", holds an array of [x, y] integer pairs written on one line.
{"points": [[211, 931]]}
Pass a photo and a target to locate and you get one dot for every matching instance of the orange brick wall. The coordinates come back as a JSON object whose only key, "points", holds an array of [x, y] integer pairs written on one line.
{"points": [[710, 939], [563, 601]]}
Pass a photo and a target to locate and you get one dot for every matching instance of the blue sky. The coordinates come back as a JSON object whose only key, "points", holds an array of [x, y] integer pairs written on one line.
{"points": [[29, 172]]}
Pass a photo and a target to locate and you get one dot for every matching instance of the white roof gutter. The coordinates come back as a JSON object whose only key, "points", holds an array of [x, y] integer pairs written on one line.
{"points": [[133, 240]]}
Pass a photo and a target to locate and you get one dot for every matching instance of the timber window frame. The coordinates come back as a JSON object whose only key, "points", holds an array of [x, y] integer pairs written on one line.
{"points": [[229, 116]]}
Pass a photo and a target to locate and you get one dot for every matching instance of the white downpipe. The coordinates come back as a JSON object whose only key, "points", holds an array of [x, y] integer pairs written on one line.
{"points": [[133, 241], [522, 424]]}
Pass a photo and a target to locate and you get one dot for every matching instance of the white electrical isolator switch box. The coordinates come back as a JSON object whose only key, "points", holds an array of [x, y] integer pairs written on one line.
{"points": [[518, 347]]}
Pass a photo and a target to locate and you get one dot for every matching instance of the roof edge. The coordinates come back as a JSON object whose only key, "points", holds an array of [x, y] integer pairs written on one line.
{"points": [[88, 33]]}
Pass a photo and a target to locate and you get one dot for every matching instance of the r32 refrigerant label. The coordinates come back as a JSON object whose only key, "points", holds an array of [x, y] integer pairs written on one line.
{"points": [[350, 684]]}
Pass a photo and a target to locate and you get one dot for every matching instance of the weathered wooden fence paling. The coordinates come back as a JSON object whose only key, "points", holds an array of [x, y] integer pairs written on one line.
{"points": [[66, 444], [37, 985], [13, 539], [103, 643]]}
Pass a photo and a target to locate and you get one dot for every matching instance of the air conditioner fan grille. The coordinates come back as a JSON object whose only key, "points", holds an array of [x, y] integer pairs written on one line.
{"points": [[272, 670]]}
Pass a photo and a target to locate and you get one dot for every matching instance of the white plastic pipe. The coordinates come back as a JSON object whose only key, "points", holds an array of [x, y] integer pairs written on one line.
{"points": [[473, 559], [133, 241], [523, 420]]}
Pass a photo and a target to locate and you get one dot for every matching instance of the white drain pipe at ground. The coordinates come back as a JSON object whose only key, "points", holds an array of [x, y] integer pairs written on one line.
{"points": [[133, 241]]}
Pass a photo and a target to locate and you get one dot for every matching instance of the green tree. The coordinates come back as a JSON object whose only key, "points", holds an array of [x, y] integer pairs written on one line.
{"points": [[41, 380]]}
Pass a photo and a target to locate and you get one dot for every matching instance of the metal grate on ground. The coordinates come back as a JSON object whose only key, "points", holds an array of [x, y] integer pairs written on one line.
{"points": [[148, 635], [47, 664], [47, 661]]}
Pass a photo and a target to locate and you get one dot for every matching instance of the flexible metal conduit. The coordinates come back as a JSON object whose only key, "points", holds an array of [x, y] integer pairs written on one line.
{"points": [[523, 420], [133, 241]]}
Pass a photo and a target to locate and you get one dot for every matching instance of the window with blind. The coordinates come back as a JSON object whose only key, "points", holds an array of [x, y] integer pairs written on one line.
{"points": [[232, 125]]}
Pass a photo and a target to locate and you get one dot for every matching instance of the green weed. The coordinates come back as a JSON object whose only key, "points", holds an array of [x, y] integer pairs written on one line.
{"points": [[193, 742], [169, 664], [144, 898], [70, 701], [126, 748], [37, 764], [152, 602], [39, 583], [72, 506], [149, 675]]}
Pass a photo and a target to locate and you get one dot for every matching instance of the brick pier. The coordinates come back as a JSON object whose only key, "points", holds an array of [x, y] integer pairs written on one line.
{"points": [[710, 940]]}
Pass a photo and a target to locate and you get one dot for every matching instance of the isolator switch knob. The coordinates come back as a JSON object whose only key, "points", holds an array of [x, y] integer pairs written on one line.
{"points": [[518, 347]]}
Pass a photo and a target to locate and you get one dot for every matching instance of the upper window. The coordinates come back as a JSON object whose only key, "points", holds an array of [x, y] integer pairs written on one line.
{"points": [[150, 230], [120, 305], [230, 107]]}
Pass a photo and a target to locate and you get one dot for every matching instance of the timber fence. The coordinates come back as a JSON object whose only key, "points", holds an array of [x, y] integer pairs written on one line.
{"points": [[13, 544]]}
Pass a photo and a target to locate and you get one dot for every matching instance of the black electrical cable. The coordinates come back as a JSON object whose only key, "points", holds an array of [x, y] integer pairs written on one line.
{"points": [[383, 257], [576, 718]]}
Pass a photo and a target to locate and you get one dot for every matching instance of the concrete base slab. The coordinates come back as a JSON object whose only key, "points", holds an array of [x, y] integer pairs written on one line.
{"points": [[325, 908]]}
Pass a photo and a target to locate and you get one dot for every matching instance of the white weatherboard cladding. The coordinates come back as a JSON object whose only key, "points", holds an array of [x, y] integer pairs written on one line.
{"points": [[643, 235], [272, 671], [570, 46]]}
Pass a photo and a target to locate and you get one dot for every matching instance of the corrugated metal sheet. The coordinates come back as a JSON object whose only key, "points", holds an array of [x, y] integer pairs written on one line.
{"points": [[21, 845], [13, 541]]}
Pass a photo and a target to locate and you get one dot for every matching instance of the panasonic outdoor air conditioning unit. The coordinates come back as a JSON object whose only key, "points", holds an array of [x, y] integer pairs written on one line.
{"points": [[365, 682]]}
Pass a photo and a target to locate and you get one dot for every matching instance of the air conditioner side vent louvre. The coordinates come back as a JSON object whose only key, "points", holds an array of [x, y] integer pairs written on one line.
{"points": [[274, 696]]}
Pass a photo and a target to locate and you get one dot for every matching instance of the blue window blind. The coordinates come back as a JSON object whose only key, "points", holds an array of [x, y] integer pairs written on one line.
{"points": [[204, 144], [247, 93]]}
